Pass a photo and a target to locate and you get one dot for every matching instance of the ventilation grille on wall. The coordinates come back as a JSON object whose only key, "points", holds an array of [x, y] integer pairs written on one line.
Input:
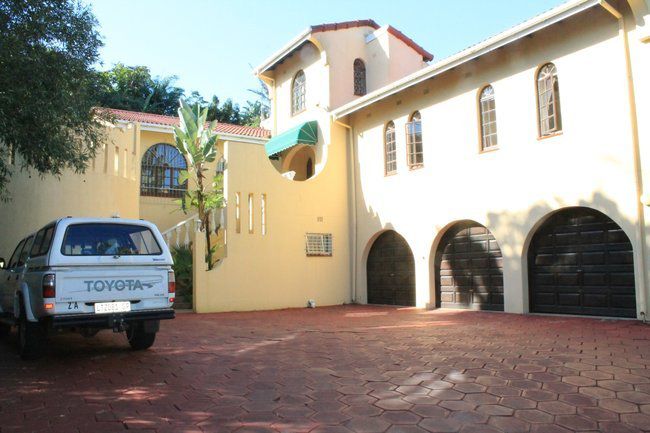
{"points": [[319, 244]]}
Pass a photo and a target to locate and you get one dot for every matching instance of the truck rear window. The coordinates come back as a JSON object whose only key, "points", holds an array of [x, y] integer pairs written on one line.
{"points": [[102, 239]]}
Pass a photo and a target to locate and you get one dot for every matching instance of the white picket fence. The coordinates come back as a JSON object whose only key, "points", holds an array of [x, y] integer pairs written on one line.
{"points": [[181, 234]]}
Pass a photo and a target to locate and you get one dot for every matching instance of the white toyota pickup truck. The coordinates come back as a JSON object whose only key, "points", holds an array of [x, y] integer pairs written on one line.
{"points": [[87, 274]]}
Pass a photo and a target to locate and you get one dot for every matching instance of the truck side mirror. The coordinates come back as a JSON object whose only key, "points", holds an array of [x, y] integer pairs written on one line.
{"points": [[2, 263]]}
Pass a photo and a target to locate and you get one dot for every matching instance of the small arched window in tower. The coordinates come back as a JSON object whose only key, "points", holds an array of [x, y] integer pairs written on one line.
{"points": [[414, 151], [359, 77], [160, 171], [298, 93], [548, 101], [309, 169]]}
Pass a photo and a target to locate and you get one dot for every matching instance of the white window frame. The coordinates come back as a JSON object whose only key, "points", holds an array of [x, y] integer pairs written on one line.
{"points": [[390, 149], [318, 244], [548, 104], [488, 118]]}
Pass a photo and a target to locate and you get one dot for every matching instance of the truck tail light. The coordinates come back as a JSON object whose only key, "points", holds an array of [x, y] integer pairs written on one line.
{"points": [[49, 286], [172, 285]]}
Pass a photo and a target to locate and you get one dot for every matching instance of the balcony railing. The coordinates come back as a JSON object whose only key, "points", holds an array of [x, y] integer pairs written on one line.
{"points": [[182, 233]]}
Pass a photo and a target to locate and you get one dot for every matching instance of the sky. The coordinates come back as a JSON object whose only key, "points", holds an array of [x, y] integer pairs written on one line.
{"points": [[212, 46]]}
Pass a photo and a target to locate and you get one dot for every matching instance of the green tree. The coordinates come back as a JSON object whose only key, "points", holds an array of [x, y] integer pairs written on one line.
{"points": [[228, 112], [196, 139], [256, 111], [48, 87], [252, 114], [133, 88]]}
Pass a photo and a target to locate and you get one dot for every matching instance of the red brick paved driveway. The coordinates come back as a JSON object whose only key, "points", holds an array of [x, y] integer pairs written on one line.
{"points": [[343, 369]]}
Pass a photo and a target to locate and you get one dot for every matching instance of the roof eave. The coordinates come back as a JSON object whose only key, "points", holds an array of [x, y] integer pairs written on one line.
{"points": [[283, 52], [169, 129], [515, 33]]}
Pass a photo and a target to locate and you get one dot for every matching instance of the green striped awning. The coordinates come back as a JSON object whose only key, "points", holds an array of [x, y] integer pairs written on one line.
{"points": [[305, 133]]}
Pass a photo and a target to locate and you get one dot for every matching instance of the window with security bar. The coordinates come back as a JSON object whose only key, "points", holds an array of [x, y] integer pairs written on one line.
{"points": [[161, 168], [319, 244], [390, 149], [487, 107], [548, 101], [359, 77], [414, 152]]}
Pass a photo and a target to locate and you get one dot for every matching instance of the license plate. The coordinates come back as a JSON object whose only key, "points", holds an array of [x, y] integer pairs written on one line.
{"points": [[112, 307]]}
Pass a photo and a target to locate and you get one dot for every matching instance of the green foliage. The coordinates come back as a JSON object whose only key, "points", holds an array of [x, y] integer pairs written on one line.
{"points": [[48, 87], [183, 270], [228, 112], [196, 139], [213, 196], [133, 88], [261, 108], [253, 113]]}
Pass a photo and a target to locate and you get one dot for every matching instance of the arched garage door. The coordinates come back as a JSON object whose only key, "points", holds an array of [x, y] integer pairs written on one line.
{"points": [[391, 271], [469, 269], [581, 262]]}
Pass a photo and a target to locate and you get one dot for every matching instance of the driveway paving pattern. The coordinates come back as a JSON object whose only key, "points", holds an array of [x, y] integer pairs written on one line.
{"points": [[339, 370]]}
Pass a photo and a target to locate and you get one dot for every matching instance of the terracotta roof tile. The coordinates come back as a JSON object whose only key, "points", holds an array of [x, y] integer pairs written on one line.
{"points": [[159, 119], [344, 25], [427, 56]]}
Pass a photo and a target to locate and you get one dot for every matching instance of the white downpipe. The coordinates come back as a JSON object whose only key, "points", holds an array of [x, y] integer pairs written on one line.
{"points": [[638, 174], [353, 204]]}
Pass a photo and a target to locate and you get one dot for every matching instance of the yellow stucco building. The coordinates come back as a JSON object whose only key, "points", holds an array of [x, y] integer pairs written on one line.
{"points": [[509, 177]]}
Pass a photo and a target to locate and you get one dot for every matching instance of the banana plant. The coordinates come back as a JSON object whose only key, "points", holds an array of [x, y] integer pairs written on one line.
{"points": [[196, 139]]}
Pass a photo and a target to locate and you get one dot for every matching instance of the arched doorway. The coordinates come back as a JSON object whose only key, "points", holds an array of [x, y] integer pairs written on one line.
{"points": [[391, 271], [469, 269], [581, 262], [299, 162]]}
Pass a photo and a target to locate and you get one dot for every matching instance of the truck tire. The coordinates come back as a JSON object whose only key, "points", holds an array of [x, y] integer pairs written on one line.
{"points": [[30, 338], [139, 338]]}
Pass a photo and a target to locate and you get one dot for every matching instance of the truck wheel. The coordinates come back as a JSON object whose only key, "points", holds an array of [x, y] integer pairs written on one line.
{"points": [[29, 338], [138, 338]]}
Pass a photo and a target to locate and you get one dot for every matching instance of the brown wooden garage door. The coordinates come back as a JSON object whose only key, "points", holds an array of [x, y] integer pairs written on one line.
{"points": [[581, 262], [391, 271], [469, 269]]}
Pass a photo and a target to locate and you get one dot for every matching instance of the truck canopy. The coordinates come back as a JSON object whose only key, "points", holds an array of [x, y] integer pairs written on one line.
{"points": [[107, 241]]}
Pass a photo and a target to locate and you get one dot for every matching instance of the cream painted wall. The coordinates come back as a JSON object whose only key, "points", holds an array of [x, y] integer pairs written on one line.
{"points": [[387, 59], [108, 187], [510, 190], [265, 271], [403, 60], [328, 65]]}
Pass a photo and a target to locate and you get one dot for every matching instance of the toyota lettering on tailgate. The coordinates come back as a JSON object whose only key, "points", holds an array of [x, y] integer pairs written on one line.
{"points": [[118, 285]]}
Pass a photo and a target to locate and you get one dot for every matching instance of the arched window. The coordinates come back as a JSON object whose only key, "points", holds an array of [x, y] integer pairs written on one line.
{"points": [[548, 101], [298, 93], [488, 114], [390, 149], [161, 166], [414, 152], [359, 77]]}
